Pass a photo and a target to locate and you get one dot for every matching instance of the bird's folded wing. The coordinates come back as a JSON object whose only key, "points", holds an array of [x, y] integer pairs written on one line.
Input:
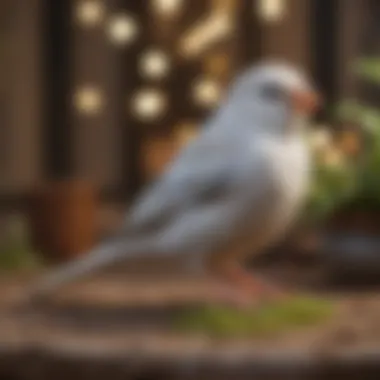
{"points": [[205, 173]]}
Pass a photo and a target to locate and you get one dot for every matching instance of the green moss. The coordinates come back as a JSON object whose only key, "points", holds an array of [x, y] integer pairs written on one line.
{"points": [[267, 320], [16, 251], [18, 257]]}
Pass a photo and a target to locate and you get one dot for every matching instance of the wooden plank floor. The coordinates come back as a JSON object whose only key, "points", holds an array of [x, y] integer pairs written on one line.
{"points": [[122, 322]]}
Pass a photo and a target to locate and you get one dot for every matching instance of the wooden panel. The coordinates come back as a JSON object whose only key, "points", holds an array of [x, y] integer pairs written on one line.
{"points": [[351, 22], [288, 38], [96, 141], [368, 45], [22, 161]]}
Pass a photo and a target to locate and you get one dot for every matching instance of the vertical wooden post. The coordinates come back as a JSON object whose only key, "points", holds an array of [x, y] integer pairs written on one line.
{"points": [[96, 135], [289, 37], [22, 156], [349, 32]]}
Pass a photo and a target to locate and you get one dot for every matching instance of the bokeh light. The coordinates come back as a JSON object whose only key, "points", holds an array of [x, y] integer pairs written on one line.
{"points": [[89, 13], [206, 92], [122, 29], [270, 10], [154, 64], [166, 8], [88, 100], [148, 104], [205, 33]]}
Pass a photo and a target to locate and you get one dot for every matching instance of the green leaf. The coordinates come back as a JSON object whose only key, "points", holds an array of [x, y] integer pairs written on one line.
{"points": [[16, 252], [269, 320], [368, 69]]}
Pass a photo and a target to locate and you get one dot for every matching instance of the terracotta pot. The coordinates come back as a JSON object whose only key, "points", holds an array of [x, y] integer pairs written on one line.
{"points": [[63, 219]]}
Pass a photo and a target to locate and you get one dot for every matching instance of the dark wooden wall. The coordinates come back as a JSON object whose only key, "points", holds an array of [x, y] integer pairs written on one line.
{"points": [[56, 58], [21, 109]]}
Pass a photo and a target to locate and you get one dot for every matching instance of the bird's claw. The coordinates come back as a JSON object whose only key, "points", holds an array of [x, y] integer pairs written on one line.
{"points": [[248, 294]]}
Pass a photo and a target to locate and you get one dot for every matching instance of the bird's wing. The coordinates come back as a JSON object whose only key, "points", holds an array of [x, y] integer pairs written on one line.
{"points": [[206, 171], [198, 202]]}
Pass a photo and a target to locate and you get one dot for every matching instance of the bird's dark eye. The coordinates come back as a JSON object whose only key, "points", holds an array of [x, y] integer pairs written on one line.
{"points": [[271, 92]]}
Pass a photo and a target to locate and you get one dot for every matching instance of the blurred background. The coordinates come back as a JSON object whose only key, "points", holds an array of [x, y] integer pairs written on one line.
{"points": [[97, 96], [106, 91]]}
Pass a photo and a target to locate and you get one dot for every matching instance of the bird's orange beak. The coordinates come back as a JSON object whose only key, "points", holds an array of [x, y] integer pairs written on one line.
{"points": [[306, 102]]}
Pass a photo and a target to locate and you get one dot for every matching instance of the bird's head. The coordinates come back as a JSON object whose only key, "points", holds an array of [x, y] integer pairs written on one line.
{"points": [[273, 97]]}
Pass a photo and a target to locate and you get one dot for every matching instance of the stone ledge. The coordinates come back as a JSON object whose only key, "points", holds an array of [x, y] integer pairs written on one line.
{"points": [[45, 363], [85, 334]]}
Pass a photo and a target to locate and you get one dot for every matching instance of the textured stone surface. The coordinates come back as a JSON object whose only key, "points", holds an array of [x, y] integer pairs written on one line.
{"points": [[113, 327]]}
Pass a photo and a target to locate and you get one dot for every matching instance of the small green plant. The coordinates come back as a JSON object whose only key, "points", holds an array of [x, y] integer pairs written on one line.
{"points": [[338, 180], [368, 119], [16, 252], [266, 321], [334, 177]]}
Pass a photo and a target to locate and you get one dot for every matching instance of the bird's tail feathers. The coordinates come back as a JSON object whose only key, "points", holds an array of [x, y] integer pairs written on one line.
{"points": [[100, 257]]}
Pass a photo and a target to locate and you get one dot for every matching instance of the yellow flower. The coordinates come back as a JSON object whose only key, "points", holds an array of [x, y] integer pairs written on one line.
{"points": [[350, 143], [333, 158], [320, 139]]}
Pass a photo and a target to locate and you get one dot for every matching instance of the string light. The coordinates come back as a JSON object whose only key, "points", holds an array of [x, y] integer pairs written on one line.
{"points": [[88, 100], [207, 92], [270, 10], [167, 8], [122, 29], [149, 104], [154, 64], [206, 33], [89, 12]]}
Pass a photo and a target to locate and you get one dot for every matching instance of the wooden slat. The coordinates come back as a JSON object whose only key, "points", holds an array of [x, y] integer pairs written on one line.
{"points": [[289, 37], [22, 130], [351, 20], [96, 141]]}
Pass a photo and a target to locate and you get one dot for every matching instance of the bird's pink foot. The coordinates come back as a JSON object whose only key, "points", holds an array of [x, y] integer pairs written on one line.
{"points": [[228, 295], [239, 288]]}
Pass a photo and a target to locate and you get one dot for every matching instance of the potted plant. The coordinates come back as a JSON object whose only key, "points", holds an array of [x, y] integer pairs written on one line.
{"points": [[345, 193], [333, 185], [364, 204], [62, 218], [344, 202]]}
